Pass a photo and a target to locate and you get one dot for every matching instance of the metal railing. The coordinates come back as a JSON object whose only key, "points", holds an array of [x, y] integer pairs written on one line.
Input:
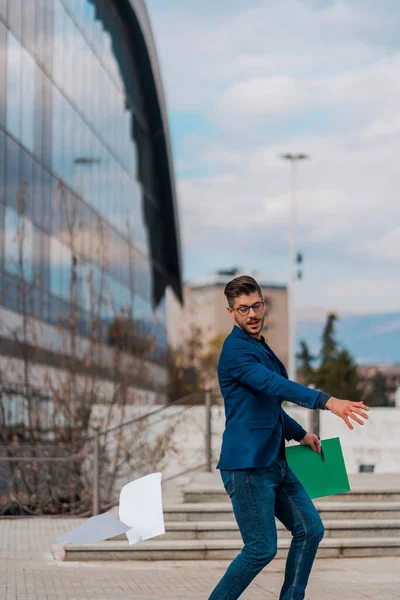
{"points": [[85, 477]]}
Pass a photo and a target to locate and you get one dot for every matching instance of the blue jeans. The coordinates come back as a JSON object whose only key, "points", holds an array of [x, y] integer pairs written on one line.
{"points": [[257, 496]]}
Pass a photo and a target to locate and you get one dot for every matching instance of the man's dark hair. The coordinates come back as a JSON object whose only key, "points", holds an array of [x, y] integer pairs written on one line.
{"points": [[241, 286]]}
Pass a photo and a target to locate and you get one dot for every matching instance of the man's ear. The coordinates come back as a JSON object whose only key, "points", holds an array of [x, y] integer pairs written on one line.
{"points": [[231, 312]]}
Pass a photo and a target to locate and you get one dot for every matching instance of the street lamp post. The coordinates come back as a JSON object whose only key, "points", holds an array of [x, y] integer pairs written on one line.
{"points": [[294, 159]]}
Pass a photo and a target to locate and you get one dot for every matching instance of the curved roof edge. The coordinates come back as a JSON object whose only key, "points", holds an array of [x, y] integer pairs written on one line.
{"points": [[142, 17]]}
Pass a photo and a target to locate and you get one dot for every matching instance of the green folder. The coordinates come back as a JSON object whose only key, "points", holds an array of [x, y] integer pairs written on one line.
{"points": [[320, 477]]}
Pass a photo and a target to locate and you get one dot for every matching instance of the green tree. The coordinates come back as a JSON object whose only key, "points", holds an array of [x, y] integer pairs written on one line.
{"points": [[329, 347], [337, 372], [339, 376], [378, 393], [305, 369]]}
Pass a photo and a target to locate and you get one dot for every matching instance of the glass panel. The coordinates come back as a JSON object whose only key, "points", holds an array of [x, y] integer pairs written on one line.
{"points": [[37, 265], [142, 276], [27, 127], [68, 149], [136, 212], [15, 16], [60, 269], [13, 86], [2, 165], [57, 132], [48, 33], [44, 262], [47, 121], [88, 19], [26, 190], [3, 9], [3, 65], [39, 115], [2, 208], [67, 75], [37, 194], [58, 42], [18, 244], [160, 312], [47, 181], [12, 172], [28, 25], [39, 30], [79, 82]]}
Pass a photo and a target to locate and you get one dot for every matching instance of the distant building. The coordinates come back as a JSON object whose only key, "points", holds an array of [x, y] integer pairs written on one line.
{"points": [[205, 307]]}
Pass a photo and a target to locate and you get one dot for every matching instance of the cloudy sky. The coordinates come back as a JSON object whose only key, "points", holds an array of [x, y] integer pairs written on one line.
{"points": [[247, 81]]}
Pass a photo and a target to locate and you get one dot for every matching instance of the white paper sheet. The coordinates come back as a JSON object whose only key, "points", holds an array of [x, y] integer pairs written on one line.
{"points": [[140, 515], [95, 529], [140, 507]]}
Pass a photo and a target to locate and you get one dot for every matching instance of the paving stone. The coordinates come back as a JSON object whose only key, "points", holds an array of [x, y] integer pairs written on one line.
{"points": [[28, 571]]}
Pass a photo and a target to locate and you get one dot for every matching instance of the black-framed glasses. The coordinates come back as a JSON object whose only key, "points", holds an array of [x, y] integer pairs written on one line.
{"points": [[244, 310]]}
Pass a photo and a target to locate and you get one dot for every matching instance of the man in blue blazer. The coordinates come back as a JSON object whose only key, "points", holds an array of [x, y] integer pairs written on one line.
{"points": [[253, 465]]}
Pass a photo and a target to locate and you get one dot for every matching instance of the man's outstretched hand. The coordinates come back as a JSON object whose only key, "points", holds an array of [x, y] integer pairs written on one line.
{"points": [[312, 440], [346, 409]]}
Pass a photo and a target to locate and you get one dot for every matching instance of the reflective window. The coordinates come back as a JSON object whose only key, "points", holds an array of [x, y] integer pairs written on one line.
{"points": [[13, 85], [46, 121], [3, 9], [27, 128], [26, 186], [12, 178], [142, 276], [2, 165], [3, 65], [58, 41], [39, 29], [1, 244], [71, 166], [39, 115], [18, 244], [61, 269], [15, 16], [28, 25], [16, 411], [48, 33]]}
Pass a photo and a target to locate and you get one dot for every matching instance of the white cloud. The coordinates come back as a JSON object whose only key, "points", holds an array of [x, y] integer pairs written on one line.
{"points": [[388, 126], [388, 246], [263, 99]]}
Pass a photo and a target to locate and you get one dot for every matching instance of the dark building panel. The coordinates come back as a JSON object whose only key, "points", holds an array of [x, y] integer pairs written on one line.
{"points": [[137, 58]]}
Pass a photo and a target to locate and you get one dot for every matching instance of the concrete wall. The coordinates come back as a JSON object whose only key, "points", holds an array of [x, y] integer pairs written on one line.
{"points": [[377, 442]]}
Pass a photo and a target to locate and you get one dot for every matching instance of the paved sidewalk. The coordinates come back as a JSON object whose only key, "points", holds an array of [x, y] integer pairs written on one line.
{"points": [[28, 571]]}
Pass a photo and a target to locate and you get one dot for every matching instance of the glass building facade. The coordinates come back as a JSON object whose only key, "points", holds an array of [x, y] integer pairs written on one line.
{"points": [[85, 163]]}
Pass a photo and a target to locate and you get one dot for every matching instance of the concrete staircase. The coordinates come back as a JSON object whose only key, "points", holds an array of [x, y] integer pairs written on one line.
{"points": [[364, 522]]}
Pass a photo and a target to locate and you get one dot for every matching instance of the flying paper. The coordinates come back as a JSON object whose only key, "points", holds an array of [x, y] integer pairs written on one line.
{"points": [[140, 507], [140, 516]]}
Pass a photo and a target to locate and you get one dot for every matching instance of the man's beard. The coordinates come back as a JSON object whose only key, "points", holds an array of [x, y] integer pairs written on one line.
{"points": [[249, 330]]}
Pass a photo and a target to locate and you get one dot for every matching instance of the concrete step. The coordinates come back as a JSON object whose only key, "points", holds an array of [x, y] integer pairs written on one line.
{"points": [[207, 487], [218, 549], [211, 511], [228, 530], [201, 494]]}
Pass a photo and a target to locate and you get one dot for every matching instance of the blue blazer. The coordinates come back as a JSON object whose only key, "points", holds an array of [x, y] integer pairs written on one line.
{"points": [[253, 390]]}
